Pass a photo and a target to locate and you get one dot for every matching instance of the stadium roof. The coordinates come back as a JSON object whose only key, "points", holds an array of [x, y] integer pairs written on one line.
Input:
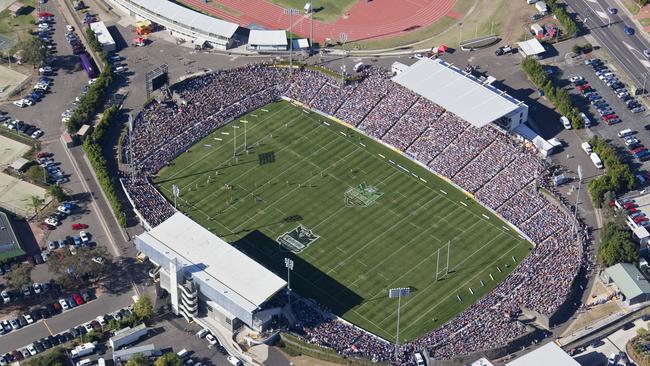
{"points": [[189, 18], [549, 354], [267, 38], [457, 91], [628, 279], [216, 262], [531, 47]]}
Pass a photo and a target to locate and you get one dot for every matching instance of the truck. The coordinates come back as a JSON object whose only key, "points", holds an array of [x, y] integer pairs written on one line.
{"points": [[82, 350], [126, 336], [503, 50]]}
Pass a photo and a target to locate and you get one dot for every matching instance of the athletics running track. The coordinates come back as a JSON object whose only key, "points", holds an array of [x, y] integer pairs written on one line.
{"points": [[364, 20]]}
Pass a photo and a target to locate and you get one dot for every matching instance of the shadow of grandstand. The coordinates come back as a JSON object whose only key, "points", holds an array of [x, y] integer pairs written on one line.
{"points": [[306, 279]]}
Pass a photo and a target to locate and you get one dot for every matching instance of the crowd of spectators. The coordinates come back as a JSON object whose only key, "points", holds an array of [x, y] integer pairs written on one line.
{"points": [[503, 175]]}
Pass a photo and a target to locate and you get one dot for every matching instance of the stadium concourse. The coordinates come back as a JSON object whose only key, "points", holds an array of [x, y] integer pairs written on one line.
{"points": [[501, 173]]}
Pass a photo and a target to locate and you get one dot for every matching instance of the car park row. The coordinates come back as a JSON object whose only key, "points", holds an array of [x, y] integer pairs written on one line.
{"points": [[20, 126], [64, 337]]}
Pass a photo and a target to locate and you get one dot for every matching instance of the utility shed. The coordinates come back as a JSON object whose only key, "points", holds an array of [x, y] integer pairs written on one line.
{"points": [[630, 281]]}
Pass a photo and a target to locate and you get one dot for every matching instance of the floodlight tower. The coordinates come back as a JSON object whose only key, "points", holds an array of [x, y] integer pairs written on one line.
{"points": [[398, 293], [289, 264], [291, 12]]}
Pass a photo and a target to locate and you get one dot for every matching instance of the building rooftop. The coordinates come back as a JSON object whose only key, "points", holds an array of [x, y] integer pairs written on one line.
{"points": [[188, 17], [214, 261], [9, 245], [101, 32], [458, 92], [629, 279], [531, 47], [267, 38], [549, 354]]}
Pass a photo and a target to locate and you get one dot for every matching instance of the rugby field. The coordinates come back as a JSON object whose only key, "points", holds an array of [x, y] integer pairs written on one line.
{"points": [[357, 218]]}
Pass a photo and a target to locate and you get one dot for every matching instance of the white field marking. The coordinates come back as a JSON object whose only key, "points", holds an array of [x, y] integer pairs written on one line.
{"points": [[250, 170], [463, 203], [505, 228], [212, 152], [494, 224], [265, 110], [381, 156], [245, 121], [343, 133], [443, 192], [225, 133], [423, 180], [293, 190], [390, 161], [361, 143], [446, 297], [339, 248], [325, 123], [390, 228], [218, 139], [415, 175], [404, 169], [486, 216], [406, 245]]}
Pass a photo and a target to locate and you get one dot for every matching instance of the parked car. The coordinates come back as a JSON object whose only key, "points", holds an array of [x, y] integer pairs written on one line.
{"points": [[79, 226]]}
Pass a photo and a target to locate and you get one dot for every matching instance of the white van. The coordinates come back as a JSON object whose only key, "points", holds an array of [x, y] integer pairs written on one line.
{"points": [[84, 362], [565, 122], [558, 180], [596, 160], [101, 361], [586, 147], [626, 132], [358, 67], [234, 361], [183, 353], [419, 361]]}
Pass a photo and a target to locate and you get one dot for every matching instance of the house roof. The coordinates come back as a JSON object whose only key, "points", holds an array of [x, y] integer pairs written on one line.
{"points": [[629, 279], [458, 92]]}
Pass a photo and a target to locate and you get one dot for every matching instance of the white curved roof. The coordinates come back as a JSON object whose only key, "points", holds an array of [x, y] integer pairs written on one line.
{"points": [[188, 17], [454, 90]]}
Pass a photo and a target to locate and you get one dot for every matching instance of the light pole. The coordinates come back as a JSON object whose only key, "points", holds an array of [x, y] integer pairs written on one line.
{"points": [[291, 12], [398, 293], [311, 28], [289, 264], [575, 213]]}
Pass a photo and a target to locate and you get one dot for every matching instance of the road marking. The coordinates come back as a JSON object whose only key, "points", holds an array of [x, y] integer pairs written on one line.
{"points": [[602, 15], [48, 327]]}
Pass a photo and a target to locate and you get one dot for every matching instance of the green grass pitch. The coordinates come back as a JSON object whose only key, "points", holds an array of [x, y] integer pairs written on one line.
{"points": [[297, 171]]}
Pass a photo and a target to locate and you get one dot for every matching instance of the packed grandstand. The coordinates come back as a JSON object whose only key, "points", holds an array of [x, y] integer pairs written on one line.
{"points": [[499, 171]]}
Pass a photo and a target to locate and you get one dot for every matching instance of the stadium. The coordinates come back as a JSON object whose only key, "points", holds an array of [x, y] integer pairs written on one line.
{"points": [[347, 191]]}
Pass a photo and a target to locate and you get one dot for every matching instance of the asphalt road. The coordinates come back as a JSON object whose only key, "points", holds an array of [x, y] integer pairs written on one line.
{"points": [[607, 29]]}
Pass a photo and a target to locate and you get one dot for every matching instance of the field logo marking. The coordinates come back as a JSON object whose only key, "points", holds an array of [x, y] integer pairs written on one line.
{"points": [[298, 239], [361, 196]]}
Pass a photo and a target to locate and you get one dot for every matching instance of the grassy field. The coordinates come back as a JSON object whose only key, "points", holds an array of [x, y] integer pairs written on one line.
{"points": [[13, 27], [377, 220], [325, 10]]}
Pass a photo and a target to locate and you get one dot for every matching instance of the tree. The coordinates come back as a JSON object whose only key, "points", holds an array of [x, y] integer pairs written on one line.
{"points": [[56, 192], [70, 267], [36, 203], [33, 51], [168, 359], [143, 308], [616, 246], [55, 357], [36, 173], [20, 275], [138, 360]]}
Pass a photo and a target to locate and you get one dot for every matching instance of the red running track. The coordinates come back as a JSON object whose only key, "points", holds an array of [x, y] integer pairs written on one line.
{"points": [[365, 20]]}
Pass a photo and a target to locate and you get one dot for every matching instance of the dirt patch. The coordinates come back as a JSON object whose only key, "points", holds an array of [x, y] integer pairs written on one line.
{"points": [[9, 80]]}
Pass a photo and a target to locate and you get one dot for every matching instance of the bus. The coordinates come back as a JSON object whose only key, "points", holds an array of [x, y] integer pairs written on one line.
{"points": [[88, 65]]}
